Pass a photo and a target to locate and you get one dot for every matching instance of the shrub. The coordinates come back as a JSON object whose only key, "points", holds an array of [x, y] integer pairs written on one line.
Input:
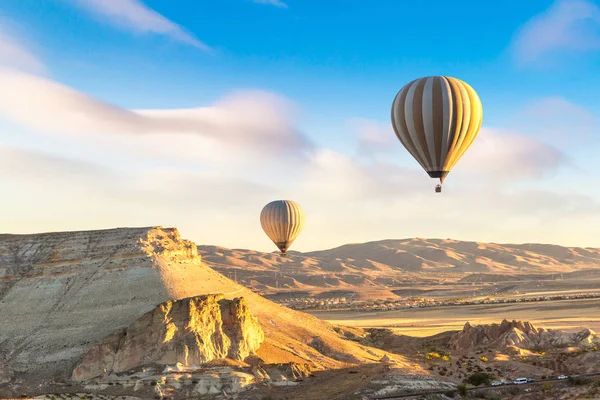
{"points": [[432, 356], [546, 386], [579, 380], [514, 390], [446, 357], [450, 394], [493, 395], [462, 389], [479, 378], [483, 358]]}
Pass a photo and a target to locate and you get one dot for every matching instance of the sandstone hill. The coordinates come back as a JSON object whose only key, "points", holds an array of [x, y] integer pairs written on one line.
{"points": [[377, 264], [520, 335], [62, 294]]}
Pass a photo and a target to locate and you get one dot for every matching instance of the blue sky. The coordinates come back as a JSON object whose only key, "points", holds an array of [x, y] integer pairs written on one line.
{"points": [[237, 95]]}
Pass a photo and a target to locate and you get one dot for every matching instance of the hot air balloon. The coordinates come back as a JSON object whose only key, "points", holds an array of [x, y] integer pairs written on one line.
{"points": [[282, 221], [436, 118]]}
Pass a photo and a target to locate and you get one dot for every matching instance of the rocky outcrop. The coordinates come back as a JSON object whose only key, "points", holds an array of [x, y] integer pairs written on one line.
{"points": [[62, 294], [519, 334], [191, 331]]}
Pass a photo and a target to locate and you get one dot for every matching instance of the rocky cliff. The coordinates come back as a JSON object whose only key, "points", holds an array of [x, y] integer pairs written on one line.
{"points": [[519, 335], [61, 294], [191, 331]]}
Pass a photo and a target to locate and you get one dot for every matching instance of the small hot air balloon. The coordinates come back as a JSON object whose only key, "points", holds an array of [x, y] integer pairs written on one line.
{"points": [[436, 119], [282, 221]]}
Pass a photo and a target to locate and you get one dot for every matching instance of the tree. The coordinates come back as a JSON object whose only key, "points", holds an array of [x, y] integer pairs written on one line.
{"points": [[462, 389]]}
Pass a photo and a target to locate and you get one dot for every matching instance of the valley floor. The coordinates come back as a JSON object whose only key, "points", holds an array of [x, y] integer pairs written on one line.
{"points": [[568, 315]]}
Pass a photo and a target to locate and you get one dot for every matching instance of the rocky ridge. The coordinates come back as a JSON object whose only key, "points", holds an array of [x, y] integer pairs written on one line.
{"points": [[519, 335]]}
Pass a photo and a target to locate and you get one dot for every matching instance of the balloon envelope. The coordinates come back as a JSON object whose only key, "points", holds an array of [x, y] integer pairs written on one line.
{"points": [[282, 221], [436, 119]]}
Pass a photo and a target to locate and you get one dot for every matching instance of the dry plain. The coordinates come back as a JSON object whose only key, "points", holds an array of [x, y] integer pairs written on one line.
{"points": [[569, 315]]}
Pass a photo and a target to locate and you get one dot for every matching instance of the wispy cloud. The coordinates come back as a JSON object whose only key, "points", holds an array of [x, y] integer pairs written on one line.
{"points": [[499, 154], [276, 3], [559, 121], [14, 54], [568, 25], [137, 17], [247, 120], [373, 138]]}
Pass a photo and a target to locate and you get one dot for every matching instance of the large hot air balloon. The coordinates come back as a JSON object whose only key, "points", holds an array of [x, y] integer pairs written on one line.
{"points": [[436, 119], [282, 221]]}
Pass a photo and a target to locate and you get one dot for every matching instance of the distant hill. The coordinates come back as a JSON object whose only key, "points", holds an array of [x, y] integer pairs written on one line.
{"points": [[396, 262]]}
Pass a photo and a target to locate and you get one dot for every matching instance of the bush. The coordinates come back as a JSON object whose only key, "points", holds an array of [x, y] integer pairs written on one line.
{"points": [[483, 358], [579, 380], [514, 390], [446, 357], [493, 395], [450, 394], [479, 378], [432, 356], [546, 386], [462, 389]]}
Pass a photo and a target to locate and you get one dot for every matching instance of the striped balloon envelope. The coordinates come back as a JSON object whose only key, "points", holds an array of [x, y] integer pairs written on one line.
{"points": [[437, 118], [282, 221]]}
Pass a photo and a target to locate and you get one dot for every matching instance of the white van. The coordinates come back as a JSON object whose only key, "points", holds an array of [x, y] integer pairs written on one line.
{"points": [[520, 381]]}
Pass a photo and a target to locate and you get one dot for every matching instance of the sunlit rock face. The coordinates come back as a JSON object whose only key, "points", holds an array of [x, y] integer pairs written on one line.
{"points": [[191, 331], [520, 335]]}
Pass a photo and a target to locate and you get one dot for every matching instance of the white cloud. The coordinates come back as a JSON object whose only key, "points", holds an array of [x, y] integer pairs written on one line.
{"points": [[572, 25], [374, 138], [14, 54], [276, 3], [135, 16], [559, 121], [244, 120], [498, 154], [346, 200]]}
